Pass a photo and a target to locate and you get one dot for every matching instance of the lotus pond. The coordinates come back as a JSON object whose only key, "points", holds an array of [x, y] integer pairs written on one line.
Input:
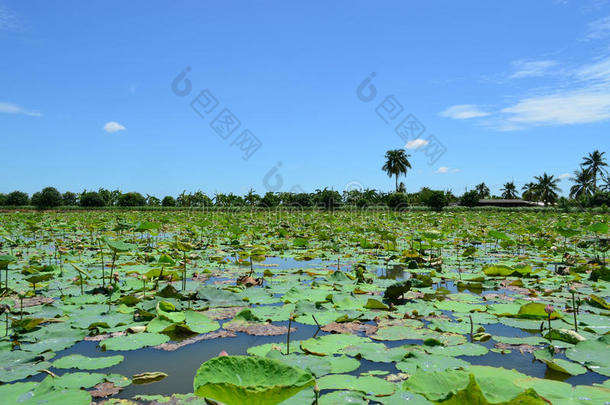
{"points": [[304, 307]]}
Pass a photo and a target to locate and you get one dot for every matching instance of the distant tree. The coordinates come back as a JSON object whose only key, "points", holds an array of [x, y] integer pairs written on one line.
{"points": [[110, 197], [595, 163], [252, 198], [547, 188], [91, 199], [49, 197], [17, 198], [168, 201], [435, 199], [132, 199], [583, 183], [530, 191], [301, 200], [509, 191], [606, 184], [327, 199], [598, 199], [397, 201], [396, 164], [3, 199], [270, 200], [152, 201], [470, 198], [483, 190], [69, 198]]}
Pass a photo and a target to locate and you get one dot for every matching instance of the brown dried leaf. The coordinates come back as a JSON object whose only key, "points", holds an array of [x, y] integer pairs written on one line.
{"points": [[258, 329], [105, 389], [522, 348], [350, 328], [103, 336], [170, 347], [222, 313]]}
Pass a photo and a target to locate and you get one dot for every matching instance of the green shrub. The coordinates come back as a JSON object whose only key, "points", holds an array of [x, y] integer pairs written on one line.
{"points": [[17, 198], [470, 198], [168, 201], [49, 197], [397, 201], [132, 199], [435, 199], [69, 198], [91, 199]]}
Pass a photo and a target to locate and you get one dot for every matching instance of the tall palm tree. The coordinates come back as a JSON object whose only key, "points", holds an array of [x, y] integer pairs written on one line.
{"points": [[595, 163], [530, 191], [483, 190], [509, 191], [396, 163], [583, 183], [547, 188]]}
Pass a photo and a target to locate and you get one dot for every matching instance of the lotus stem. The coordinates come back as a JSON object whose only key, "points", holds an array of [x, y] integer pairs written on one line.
{"points": [[471, 327], [288, 338], [574, 310]]}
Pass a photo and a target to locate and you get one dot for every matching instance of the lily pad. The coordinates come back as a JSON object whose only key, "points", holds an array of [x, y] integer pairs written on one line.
{"points": [[236, 380]]}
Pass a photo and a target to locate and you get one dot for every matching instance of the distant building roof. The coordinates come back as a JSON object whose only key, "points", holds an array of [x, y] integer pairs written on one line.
{"points": [[507, 203]]}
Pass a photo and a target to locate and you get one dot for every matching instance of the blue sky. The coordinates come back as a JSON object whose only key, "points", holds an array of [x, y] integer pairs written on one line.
{"points": [[506, 90]]}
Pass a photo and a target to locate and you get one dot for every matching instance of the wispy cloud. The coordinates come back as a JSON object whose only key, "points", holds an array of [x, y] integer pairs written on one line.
{"points": [[446, 169], [581, 106], [599, 28], [533, 68], [11, 108], [463, 111], [8, 20], [564, 176], [113, 126], [416, 143]]}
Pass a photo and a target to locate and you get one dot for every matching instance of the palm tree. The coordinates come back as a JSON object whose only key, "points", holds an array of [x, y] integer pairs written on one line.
{"points": [[583, 183], [606, 186], [509, 191], [396, 163], [547, 188], [530, 191], [595, 163], [483, 190]]}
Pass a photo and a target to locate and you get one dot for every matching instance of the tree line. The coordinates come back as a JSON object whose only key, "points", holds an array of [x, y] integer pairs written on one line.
{"points": [[585, 192]]}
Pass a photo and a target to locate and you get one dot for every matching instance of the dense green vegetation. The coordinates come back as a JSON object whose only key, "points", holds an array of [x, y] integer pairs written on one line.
{"points": [[360, 307], [587, 191]]}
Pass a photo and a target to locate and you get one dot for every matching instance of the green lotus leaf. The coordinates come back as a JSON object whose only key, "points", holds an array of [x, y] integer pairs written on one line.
{"points": [[367, 384], [594, 354], [133, 341], [81, 362], [342, 398], [535, 310], [330, 344], [236, 380]]}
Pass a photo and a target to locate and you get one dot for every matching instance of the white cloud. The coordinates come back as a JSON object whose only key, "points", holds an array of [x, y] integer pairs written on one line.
{"points": [[564, 176], [416, 143], [585, 105], [10, 108], [113, 126], [463, 111], [535, 68], [599, 28], [445, 169]]}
